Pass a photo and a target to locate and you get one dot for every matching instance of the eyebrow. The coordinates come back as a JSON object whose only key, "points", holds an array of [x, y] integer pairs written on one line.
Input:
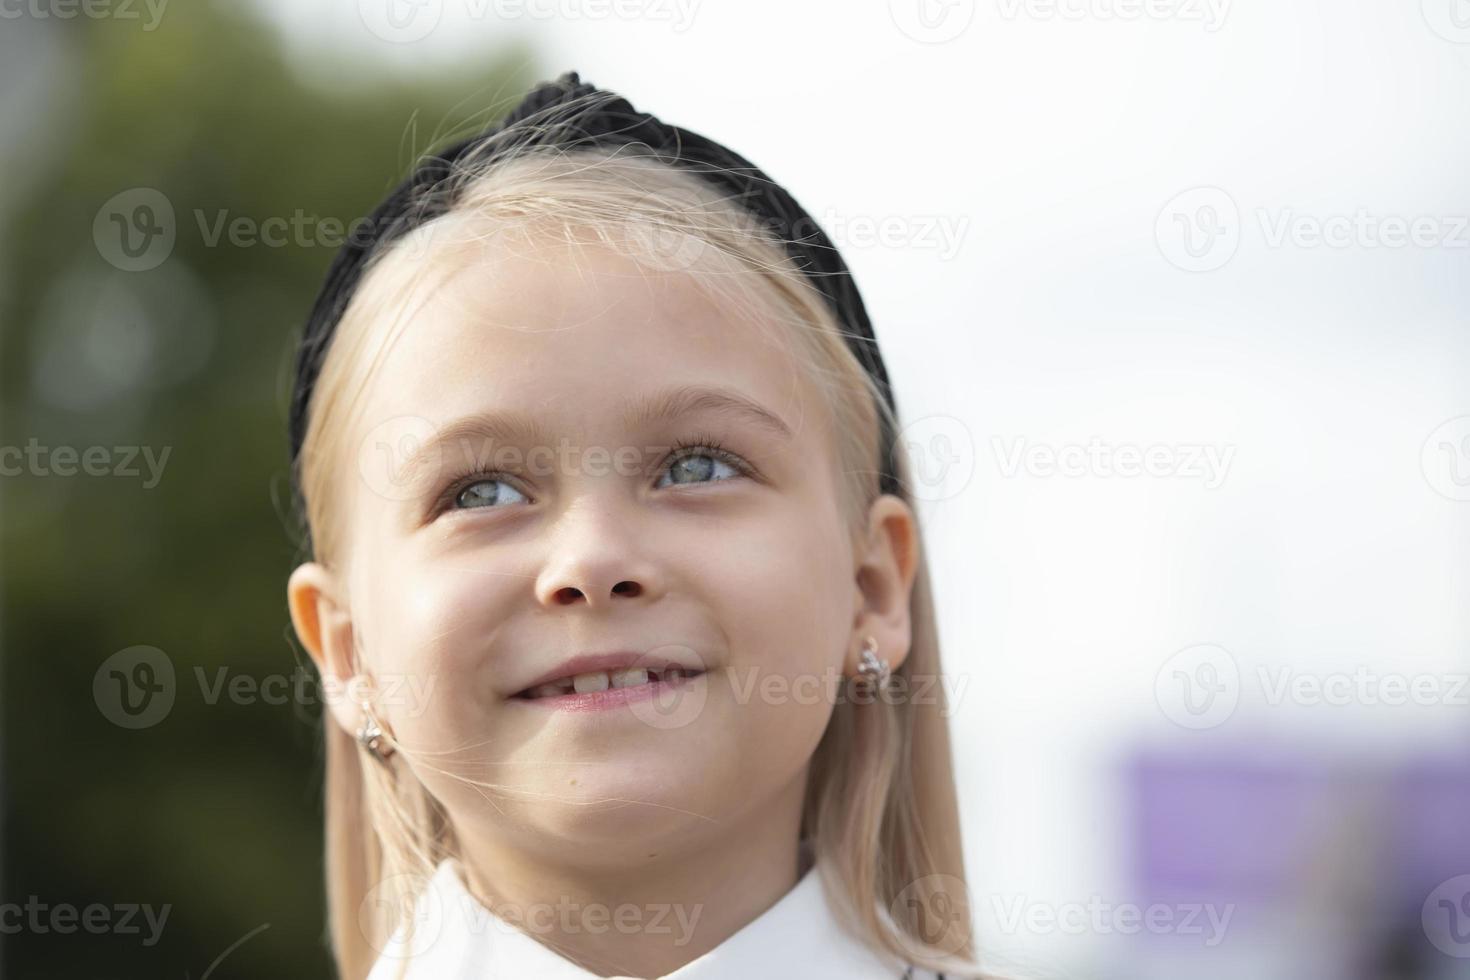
{"points": [[514, 428]]}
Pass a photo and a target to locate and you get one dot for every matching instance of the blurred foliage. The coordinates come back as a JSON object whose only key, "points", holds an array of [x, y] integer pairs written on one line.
{"points": [[214, 811]]}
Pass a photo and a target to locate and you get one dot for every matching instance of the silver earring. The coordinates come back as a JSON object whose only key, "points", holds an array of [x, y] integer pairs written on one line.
{"points": [[870, 667], [370, 735]]}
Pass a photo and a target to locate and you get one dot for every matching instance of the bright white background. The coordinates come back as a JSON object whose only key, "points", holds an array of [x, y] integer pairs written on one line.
{"points": [[1052, 145]]}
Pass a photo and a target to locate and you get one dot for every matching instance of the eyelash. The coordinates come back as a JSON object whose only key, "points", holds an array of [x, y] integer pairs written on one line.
{"points": [[699, 445]]}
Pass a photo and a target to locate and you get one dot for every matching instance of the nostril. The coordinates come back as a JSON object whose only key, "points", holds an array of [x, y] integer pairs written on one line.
{"points": [[570, 593]]}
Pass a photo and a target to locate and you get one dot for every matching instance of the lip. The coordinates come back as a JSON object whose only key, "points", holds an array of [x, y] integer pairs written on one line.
{"points": [[587, 663], [613, 697]]}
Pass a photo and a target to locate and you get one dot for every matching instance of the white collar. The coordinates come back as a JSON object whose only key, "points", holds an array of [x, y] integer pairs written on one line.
{"points": [[460, 939]]}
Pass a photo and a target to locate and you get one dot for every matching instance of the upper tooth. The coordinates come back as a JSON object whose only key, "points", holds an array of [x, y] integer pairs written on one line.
{"points": [[583, 683], [597, 681], [631, 677], [602, 680]]}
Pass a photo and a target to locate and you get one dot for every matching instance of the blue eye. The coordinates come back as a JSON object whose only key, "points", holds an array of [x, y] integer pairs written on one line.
{"points": [[697, 467], [690, 463], [483, 493]]}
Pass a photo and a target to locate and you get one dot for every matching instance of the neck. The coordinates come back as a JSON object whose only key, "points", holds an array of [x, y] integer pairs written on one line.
{"points": [[642, 910]]}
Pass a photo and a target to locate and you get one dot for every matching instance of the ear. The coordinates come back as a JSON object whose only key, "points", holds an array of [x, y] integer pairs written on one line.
{"points": [[319, 614], [885, 581]]}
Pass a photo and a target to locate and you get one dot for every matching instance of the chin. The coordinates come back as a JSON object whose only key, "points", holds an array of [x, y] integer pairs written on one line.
{"points": [[607, 819]]}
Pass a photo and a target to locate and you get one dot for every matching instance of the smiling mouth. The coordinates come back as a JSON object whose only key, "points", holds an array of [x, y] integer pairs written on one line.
{"points": [[606, 680]]}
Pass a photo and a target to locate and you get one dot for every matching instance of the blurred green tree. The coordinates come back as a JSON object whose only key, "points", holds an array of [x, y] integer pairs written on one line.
{"points": [[213, 810]]}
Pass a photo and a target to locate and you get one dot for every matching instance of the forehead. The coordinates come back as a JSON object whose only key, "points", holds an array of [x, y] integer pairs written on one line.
{"points": [[569, 332]]}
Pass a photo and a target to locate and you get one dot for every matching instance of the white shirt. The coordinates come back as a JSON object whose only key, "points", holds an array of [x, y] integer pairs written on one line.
{"points": [[796, 938]]}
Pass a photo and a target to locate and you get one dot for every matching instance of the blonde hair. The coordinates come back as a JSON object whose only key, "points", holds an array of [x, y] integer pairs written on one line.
{"points": [[880, 811]]}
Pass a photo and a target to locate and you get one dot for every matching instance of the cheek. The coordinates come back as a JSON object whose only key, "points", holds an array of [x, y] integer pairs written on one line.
{"points": [[787, 602], [432, 623]]}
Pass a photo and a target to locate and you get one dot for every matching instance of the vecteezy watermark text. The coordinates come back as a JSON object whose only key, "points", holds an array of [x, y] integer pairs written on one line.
{"points": [[63, 918], [90, 9], [1200, 687], [1200, 229], [833, 687], [136, 688], [1363, 686], [1099, 917], [1208, 463], [35, 459], [408, 21], [413, 900], [1210, 13]]}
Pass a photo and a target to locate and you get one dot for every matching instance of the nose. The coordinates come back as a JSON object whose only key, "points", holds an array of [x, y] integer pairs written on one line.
{"points": [[594, 559]]}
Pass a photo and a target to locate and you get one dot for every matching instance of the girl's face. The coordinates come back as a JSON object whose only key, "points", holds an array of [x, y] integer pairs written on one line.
{"points": [[517, 501]]}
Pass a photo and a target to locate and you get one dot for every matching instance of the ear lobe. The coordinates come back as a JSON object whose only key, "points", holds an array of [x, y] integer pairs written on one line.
{"points": [[324, 626]]}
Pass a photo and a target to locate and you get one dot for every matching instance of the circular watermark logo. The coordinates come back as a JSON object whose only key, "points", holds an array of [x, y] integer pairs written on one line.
{"points": [[135, 230], [664, 237], [933, 919], [941, 455], [932, 21], [1198, 687], [134, 688], [400, 21], [1199, 230], [396, 457], [677, 706], [1446, 917], [391, 906], [1450, 19], [1445, 458]]}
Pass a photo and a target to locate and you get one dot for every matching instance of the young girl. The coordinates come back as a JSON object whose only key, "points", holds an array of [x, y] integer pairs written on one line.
{"points": [[616, 583]]}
